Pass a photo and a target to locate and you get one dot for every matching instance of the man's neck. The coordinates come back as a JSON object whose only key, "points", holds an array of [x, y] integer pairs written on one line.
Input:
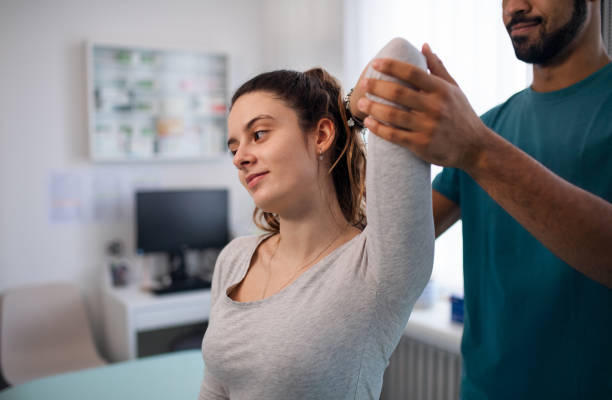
{"points": [[583, 58]]}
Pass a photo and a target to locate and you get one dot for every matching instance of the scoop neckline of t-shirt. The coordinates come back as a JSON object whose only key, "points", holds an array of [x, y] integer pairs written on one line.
{"points": [[570, 90], [315, 266]]}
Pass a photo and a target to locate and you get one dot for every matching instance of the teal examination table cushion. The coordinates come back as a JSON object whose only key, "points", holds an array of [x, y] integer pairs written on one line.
{"points": [[174, 376]]}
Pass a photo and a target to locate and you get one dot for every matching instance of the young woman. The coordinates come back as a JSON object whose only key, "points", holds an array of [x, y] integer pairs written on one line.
{"points": [[314, 308]]}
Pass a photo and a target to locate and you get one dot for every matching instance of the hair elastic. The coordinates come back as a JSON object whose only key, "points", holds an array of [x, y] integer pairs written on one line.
{"points": [[351, 119]]}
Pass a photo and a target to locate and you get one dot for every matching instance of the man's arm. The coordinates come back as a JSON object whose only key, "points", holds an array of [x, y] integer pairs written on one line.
{"points": [[574, 224], [442, 128], [445, 212]]}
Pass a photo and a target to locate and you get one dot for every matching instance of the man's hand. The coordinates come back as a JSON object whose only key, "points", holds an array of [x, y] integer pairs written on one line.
{"points": [[438, 124]]}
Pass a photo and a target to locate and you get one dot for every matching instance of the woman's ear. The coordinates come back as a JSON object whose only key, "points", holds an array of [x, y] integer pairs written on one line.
{"points": [[325, 135]]}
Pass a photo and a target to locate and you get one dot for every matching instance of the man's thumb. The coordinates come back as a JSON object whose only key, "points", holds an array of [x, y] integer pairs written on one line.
{"points": [[435, 65]]}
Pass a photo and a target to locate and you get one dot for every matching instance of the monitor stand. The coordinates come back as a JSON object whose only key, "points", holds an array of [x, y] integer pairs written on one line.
{"points": [[180, 281]]}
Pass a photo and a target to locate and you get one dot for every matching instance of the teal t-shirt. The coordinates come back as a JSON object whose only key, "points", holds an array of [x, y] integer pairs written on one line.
{"points": [[535, 328]]}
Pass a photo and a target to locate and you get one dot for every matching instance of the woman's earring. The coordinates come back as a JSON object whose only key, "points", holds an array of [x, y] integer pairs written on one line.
{"points": [[321, 156]]}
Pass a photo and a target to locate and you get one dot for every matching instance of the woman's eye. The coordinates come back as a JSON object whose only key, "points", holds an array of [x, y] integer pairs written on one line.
{"points": [[259, 134]]}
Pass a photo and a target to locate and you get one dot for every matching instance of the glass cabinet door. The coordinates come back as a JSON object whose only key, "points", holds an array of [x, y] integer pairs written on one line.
{"points": [[147, 104]]}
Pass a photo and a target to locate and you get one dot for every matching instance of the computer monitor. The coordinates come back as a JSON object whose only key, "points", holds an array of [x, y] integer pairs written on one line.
{"points": [[173, 221]]}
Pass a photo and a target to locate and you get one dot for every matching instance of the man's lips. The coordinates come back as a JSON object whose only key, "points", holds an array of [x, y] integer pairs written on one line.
{"points": [[252, 179], [523, 26]]}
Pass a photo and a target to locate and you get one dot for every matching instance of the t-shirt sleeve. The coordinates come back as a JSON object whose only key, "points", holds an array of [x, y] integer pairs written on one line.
{"points": [[596, 165], [400, 234], [447, 184]]}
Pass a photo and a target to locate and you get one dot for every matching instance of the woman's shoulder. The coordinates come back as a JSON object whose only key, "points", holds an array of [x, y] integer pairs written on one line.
{"points": [[239, 246], [238, 251], [234, 257]]}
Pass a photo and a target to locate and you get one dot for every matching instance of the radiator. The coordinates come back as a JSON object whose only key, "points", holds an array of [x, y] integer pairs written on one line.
{"points": [[418, 371]]}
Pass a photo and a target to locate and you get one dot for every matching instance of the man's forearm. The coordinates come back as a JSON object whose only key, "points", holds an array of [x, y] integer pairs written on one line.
{"points": [[573, 223]]}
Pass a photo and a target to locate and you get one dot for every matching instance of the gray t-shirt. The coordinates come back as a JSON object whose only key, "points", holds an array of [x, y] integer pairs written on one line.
{"points": [[330, 333]]}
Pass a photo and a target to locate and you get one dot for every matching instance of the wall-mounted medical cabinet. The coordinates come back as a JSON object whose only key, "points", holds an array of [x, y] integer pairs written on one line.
{"points": [[148, 104]]}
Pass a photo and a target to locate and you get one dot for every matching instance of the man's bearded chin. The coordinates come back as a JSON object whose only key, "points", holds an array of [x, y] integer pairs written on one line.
{"points": [[550, 45]]}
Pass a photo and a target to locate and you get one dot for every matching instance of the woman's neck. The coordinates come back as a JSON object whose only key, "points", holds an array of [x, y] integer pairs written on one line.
{"points": [[318, 224]]}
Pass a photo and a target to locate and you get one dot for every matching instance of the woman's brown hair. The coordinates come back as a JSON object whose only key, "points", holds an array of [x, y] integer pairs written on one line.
{"points": [[314, 95]]}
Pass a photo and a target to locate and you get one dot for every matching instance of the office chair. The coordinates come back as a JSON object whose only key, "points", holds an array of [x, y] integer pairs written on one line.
{"points": [[44, 331]]}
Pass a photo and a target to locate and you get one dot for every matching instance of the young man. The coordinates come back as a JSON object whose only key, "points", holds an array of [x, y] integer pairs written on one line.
{"points": [[531, 181]]}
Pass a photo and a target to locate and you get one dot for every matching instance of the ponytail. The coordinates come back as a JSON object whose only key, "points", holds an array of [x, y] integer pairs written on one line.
{"points": [[314, 95]]}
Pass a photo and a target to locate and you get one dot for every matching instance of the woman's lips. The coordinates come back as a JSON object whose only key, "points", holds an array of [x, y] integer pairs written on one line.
{"points": [[254, 179]]}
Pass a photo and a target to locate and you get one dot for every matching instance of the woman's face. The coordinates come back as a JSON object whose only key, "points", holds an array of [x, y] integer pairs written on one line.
{"points": [[276, 161]]}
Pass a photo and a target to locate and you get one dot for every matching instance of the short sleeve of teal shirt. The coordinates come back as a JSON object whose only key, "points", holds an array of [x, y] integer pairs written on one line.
{"points": [[536, 328]]}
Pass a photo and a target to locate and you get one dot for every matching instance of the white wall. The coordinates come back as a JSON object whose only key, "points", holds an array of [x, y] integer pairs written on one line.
{"points": [[43, 112], [304, 34]]}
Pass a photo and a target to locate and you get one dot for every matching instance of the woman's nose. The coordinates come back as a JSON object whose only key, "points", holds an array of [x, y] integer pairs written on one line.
{"points": [[243, 158]]}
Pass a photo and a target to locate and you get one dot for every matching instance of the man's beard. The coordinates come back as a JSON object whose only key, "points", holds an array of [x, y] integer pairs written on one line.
{"points": [[550, 45]]}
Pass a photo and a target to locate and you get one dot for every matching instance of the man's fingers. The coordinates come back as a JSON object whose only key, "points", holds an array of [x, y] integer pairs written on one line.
{"points": [[436, 66], [388, 114], [394, 92], [415, 141], [406, 72], [393, 134]]}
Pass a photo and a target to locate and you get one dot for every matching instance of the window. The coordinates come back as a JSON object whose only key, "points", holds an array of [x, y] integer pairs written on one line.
{"points": [[471, 40]]}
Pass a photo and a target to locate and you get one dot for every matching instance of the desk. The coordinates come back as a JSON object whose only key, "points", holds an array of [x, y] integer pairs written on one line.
{"points": [[130, 310]]}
